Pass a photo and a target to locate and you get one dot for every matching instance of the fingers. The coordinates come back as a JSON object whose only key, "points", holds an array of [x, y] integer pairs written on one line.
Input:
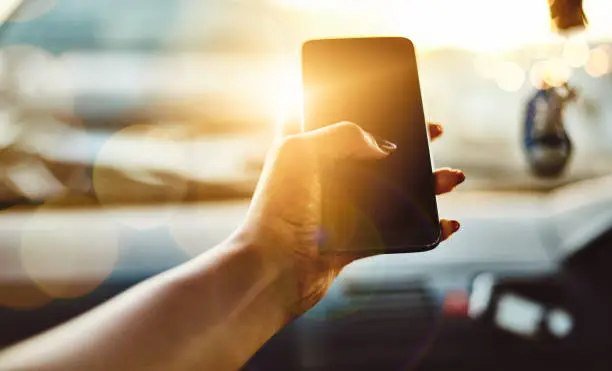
{"points": [[435, 131], [348, 140], [447, 179], [449, 227]]}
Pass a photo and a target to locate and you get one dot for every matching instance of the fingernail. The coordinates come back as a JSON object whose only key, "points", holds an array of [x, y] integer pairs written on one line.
{"points": [[456, 226], [385, 145], [460, 177]]}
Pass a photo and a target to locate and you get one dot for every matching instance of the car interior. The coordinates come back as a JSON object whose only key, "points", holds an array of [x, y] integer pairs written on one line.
{"points": [[133, 134]]}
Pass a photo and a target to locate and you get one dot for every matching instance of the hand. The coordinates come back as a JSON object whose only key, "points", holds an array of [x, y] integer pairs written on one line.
{"points": [[284, 216]]}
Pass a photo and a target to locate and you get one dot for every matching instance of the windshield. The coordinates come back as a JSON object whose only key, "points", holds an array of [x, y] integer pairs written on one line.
{"points": [[136, 90]]}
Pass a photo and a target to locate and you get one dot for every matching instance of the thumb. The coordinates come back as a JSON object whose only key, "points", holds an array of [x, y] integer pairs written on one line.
{"points": [[348, 140]]}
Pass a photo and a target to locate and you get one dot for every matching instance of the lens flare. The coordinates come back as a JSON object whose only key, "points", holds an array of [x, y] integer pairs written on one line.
{"points": [[337, 231], [136, 167], [598, 63], [289, 103], [69, 251]]}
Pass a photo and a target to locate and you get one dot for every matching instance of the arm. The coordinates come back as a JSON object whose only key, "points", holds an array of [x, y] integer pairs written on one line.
{"points": [[217, 310], [210, 314]]}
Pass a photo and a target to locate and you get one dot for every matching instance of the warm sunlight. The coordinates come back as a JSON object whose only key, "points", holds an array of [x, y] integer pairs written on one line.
{"points": [[288, 99], [479, 25], [514, 43], [473, 24], [491, 27]]}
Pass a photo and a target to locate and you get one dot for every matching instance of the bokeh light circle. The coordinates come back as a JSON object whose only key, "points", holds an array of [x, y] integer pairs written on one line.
{"points": [[37, 79], [560, 322], [135, 167], [555, 72], [536, 74], [509, 76], [199, 227], [23, 63], [598, 63], [17, 289], [69, 252], [32, 9], [576, 52]]}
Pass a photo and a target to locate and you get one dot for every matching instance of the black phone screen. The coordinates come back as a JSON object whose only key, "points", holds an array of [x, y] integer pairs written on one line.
{"points": [[385, 205]]}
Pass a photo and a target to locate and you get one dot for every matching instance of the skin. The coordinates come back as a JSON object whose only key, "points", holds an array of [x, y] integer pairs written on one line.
{"points": [[215, 311]]}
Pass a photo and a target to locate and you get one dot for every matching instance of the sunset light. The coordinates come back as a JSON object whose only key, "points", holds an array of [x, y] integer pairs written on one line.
{"points": [[479, 25]]}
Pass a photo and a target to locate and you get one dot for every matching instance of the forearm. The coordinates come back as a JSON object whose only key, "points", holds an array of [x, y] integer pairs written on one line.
{"points": [[211, 313]]}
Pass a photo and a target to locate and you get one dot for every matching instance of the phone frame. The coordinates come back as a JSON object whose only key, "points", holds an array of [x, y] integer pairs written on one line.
{"points": [[409, 248]]}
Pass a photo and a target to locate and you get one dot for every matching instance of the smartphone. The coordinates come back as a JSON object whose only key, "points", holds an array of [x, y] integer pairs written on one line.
{"points": [[379, 206]]}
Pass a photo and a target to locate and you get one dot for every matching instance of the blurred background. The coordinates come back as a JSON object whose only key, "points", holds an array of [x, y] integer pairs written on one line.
{"points": [[132, 133], [83, 83]]}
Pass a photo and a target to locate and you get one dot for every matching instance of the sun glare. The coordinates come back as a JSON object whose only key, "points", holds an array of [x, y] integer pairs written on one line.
{"points": [[285, 92], [478, 25], [289, 100], [492, 29]]}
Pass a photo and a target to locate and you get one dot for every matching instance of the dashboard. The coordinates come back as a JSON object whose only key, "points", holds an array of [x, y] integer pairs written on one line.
{"points": [[506, 293]]}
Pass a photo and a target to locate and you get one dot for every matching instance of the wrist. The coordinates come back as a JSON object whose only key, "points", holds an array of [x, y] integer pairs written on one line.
{"points": [[273, 272]]}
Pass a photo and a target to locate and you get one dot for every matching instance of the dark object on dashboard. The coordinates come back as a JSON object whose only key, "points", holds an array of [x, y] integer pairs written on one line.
{"points": [[522, 306], [357, 286], [567, 15]]}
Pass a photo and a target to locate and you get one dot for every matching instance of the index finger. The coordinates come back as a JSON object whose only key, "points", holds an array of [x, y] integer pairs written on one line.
{"points": [[435, 130]]}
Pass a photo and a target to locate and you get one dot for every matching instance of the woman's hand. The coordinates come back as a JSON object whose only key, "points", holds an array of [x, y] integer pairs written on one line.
{"points": [[215, 311], [284, 217]]}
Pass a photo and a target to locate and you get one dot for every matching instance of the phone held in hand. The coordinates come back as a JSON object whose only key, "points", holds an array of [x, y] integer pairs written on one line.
{"points": [[378, 206]]}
